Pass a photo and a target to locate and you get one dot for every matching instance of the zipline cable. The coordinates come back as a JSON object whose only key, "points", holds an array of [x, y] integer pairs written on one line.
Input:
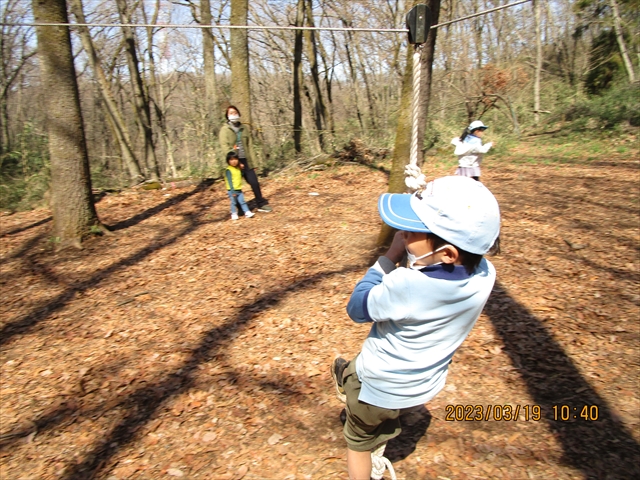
{"points": [[220, 27], [484, 12], [255, 27]]}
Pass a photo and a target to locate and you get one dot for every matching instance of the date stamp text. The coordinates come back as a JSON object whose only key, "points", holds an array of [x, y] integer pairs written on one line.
{"points": [[484, 413]]}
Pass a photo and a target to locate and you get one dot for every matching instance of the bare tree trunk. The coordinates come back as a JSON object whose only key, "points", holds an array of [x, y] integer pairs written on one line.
{"points": [[621, 43], [319, 109], [354, 75], [141, 100], [428, 56], [478, 30], [117, 123], [240, 77], [5, 138], [240, 83], [156, 86], [367, 87], [71, 201], [297, 78], [402, 148], [538, 70], [328, 81], [211, 100], [328, 65]]}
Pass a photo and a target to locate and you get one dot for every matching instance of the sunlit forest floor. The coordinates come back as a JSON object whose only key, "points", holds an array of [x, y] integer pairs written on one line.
{"points": [[187, 345]]}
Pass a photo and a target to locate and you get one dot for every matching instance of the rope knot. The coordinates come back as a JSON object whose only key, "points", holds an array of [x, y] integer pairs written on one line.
{"points": [[414, 178]]}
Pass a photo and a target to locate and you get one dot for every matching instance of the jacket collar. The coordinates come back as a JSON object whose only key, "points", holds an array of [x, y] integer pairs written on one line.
{"points": [[446, 272]]}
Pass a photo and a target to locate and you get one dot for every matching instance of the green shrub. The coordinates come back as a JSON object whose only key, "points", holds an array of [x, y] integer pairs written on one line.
{"points": [[24, 171], [618, 105], [18, 194]]}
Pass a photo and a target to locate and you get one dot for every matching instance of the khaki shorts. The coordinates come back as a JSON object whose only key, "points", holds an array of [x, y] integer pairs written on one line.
{"points": [[367, 426]]}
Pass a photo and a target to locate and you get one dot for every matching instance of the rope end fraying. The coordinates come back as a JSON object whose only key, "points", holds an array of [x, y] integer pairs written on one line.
{"points": [[414, 178]]}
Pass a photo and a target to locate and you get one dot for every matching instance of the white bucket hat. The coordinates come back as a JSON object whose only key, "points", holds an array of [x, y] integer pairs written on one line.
{"points": [[476, 125], [458, 209]]}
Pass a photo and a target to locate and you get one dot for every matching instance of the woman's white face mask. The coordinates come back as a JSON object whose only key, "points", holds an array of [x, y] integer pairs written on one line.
{"points": [[234, 117], [413, 259]]}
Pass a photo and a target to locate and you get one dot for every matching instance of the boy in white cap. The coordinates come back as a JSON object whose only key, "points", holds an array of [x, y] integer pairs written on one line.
{"points": [[470, 150], [420, 315]]}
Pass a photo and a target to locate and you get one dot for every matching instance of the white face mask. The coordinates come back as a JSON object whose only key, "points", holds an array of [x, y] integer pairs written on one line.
{"points": [[413, 259], [234, 118]]}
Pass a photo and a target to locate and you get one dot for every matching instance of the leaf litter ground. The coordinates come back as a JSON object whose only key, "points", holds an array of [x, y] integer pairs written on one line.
{"points": [[187, 345]]}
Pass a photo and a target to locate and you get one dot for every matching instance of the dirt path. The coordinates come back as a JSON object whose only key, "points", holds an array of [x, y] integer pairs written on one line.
{"points": [[187, 345]]}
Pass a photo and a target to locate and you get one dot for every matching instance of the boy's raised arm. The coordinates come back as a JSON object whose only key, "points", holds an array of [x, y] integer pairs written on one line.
{"points": [[357, 306]]}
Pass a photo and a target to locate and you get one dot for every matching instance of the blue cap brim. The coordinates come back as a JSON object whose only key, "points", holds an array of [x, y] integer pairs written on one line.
{"points": [[395, 210]]}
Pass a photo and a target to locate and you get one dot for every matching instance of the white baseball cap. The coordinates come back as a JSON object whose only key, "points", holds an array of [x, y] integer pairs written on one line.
{"points": [[477, 124], [460, 210]]}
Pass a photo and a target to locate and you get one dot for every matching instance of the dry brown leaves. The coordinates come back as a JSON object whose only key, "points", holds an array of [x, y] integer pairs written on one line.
{"points": [[187, 345]]}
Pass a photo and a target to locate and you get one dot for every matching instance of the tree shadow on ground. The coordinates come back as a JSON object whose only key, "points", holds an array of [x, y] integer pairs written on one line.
{"points": [[415, 423], [130, 222], [141, 405], [603, 448], [46, 310], [27, 227], [26, 247]]}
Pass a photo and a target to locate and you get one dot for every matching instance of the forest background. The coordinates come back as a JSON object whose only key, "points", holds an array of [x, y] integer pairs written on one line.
{"points": [[158, 117]]}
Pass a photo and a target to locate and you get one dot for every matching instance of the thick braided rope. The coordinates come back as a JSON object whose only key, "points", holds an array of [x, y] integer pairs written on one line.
{"points": [[379, 463], [414, 179]]}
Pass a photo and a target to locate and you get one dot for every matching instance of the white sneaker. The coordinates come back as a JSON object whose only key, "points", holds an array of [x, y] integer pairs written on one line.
{"points": [[249, 214], [234, 216], [379, 464]]}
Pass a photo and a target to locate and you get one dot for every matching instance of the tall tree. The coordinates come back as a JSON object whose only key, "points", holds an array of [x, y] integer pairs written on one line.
{"points": [[367, 83], [538, 66], [211, 100], [609, 40], [156, 83], [15, 52], [114, 115], [319, 108], [240, 84], [617, 24], [297, 78], [212, 113], [142, 108], [428, 57], [72, 204], [354, 73]]}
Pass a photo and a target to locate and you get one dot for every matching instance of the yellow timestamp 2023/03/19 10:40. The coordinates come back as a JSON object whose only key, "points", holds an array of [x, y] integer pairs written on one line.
{"points": [[565, 413], [477, 413], [562, 413]]}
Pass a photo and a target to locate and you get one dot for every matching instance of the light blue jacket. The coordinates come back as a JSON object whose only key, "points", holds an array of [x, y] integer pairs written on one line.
{"points": [[420, 318]]}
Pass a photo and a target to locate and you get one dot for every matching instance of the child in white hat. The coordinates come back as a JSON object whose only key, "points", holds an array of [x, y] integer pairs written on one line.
{"points": [[419, 315], [470, 150]]}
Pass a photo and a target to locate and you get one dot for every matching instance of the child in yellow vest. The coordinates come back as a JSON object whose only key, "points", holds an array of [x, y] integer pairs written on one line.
{"points": [[233, 180]]}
